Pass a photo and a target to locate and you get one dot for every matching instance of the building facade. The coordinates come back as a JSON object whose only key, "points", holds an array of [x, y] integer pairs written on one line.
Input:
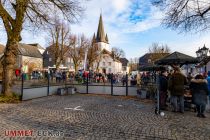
{"points": [[107, 64], [29, 58], [104, 64]]}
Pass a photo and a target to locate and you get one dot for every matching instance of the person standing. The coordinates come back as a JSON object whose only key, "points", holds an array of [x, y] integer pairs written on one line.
{"points": [[199, 90], [138, 79], [176, 87], [163, 87], [208, 80], [189, 78]]}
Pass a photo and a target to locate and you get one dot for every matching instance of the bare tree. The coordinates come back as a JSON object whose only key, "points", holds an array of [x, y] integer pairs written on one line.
{"points": [[157, 48], [117, 53], [77, 47], [94, 54], [133, 63], [158, 51], [58, 36], [16, 13], [186, 15]]}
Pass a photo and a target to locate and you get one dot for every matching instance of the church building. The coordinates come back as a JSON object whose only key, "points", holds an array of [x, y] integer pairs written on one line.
{"points": [[107, 63]]}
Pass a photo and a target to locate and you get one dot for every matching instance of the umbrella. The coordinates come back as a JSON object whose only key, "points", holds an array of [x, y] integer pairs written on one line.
{"points": [[177, 58]]}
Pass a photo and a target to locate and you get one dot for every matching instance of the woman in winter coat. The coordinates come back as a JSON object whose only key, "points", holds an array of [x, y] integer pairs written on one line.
{"points": [[199, 90]]}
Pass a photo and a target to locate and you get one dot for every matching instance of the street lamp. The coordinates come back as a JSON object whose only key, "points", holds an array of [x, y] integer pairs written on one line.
{"points": [[202, 54], [204, 51], [198, 53]]}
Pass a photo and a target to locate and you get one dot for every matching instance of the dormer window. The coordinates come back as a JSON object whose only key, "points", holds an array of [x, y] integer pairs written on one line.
{"points": [[69, 60], [23, 49]]}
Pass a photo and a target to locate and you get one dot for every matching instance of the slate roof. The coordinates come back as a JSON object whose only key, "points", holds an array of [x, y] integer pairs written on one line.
{"points": [[37, 45], [177, 58], [124, 61], [29, 50], [144, 59], [49, 53]]}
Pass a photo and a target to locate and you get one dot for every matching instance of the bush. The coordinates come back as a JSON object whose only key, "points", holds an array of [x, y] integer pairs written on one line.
{"points": [[13, 99]]}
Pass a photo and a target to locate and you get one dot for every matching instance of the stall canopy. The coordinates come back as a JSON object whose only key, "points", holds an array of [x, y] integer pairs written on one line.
{"points": [[177, 58], [152, 68]]}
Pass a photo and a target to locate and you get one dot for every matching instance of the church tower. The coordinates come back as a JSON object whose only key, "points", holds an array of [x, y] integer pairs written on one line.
{"points": [[101, 39]]}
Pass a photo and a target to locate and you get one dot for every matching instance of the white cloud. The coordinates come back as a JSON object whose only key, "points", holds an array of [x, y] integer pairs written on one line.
{"points": [[190, 47], [120, 5], [120, 27]]}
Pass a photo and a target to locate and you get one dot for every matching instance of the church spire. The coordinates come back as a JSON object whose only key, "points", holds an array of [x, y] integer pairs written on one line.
{"points": [[94, 38], [100, 33], [107, 40]]}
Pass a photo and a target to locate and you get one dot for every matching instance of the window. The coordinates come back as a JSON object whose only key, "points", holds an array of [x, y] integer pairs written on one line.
{"points": [[110, 64], [23, 49], [50, 59], [110, 70], [69, 60]]}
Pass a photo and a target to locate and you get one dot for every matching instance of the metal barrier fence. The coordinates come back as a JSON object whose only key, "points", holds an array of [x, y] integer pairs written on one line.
{"points": [[86, 85]]}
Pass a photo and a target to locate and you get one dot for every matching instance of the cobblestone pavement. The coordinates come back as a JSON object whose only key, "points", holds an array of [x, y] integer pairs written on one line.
{"points": [[100, 118]]}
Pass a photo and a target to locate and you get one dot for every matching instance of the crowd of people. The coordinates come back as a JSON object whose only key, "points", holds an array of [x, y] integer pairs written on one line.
{"points": [[60, 76], [93, 77], [173, 84]]}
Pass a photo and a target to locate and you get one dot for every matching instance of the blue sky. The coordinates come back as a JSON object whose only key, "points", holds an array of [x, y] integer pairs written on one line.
{"points": [[132, 25]]}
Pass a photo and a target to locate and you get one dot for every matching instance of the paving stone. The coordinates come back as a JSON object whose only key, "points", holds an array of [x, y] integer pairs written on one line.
{"points": [[101, 118]]}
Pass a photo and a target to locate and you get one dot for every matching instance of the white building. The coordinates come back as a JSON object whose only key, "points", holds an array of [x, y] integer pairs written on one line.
{"points": [[107, 63]]}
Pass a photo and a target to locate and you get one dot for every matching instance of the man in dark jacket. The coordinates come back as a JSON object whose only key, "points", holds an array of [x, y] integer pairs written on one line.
{"points": [[176, 87], [163, 87], [199, 90]]}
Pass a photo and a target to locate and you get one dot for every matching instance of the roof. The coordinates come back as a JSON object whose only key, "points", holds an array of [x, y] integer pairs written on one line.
{"points": [[100, 33], [124, 61], [2, 47], [152, 67], [144, 60], [104, 51], [107, 38], [177, 58], [94, 39], [29, 50], [51, 50], [37, 45]]}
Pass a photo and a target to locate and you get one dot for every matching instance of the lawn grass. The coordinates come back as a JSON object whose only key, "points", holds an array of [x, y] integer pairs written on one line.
{"points": [[12, 99]]}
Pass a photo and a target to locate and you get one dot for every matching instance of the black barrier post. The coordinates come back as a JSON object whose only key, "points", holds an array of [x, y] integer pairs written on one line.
{"points": [[126, 84], [87, 83], [22, 81], [112, 84], [48, 84]]}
